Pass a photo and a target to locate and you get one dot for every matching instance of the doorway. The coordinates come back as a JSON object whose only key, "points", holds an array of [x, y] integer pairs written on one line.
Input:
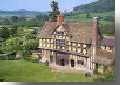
{"points": [[72, 63], [62, 62]]}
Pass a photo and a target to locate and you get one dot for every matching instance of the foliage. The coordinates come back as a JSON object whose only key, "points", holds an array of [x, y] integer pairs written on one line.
{"points": [[11, 45], [23, 42], [4, 32], [5, 21], [107, 27], [41, 17], [21, 21], [55, 11], [88, 15], [105, 77], [13, 31], [14, 19]]}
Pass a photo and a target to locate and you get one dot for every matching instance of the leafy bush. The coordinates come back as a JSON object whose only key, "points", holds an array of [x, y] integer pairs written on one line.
{"points": [[108, 18], [105, 77]]}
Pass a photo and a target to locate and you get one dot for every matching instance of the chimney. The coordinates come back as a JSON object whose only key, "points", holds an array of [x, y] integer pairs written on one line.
{"points": [[95, 31], [60, 19], [94, 40]]}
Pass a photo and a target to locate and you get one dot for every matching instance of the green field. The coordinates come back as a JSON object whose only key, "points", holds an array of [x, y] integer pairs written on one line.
{"points": [[24, 71], [81, 17]]}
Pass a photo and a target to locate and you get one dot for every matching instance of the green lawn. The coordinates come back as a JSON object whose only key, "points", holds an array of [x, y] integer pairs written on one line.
{"points": [[82, 16], [24, 71]]}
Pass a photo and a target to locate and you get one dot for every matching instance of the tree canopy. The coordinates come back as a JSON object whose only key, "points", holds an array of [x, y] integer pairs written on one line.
{"points": [[55, 11]]}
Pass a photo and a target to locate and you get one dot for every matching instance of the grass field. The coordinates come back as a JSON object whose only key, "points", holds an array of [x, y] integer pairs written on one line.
{"points": [[24, 71], [82, 16]]}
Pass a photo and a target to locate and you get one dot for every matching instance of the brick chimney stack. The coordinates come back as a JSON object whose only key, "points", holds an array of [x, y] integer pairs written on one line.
{"points": [[95, 31], [94, 40], [60, 19]]}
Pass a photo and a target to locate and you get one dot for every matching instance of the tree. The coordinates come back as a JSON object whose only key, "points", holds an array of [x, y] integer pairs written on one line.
{"points": [[21, 19], [41, 17], [4, 32], [6, 22], [14, 19], [55, 11], [88, 15], [13, 31], [11, 45]]}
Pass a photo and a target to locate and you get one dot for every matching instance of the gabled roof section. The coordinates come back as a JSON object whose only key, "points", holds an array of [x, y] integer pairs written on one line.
{"points": [[104, 57], [47, 29], [80, 32], [108, 41]]}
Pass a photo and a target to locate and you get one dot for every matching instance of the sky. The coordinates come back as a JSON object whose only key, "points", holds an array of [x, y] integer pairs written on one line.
{"points": [[39, 5]]}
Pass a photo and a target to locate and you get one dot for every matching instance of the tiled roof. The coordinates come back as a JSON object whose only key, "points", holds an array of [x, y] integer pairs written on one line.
{"points": [[104, 57], [80, 32], [108, 41]]}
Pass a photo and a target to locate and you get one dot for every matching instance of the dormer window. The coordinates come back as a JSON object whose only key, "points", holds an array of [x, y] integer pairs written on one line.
{"points": [[60, 33]]}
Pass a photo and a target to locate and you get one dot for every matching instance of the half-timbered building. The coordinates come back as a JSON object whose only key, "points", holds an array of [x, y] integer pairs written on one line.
{"points": [[73, 47]]}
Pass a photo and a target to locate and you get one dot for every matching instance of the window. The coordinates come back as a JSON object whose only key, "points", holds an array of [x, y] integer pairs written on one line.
{"points": [[81, 62], [60, 36], [58, 47], [51, 45], [44, 40], [79, 50], [69, 48], [74, 49], [73, 44], [54, 46], [84, 51], [48, 40], [44, 45], [69, 43], [79, 45], [40, 44], [84, 46], [48, 45], [60, 42], [51, 40], [40, 40], [63, 47]]}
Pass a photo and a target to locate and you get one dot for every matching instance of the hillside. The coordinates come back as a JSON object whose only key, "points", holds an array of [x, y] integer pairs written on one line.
{"points": [[21, 13], [98, 6]]}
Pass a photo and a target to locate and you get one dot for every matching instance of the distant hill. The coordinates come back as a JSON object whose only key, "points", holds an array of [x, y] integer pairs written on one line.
{"points": [[21, 13], [97, 6]]}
